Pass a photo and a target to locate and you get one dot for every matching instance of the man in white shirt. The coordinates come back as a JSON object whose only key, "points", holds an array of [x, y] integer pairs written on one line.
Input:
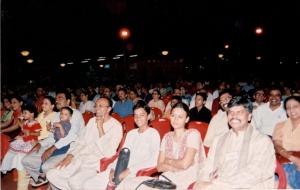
{"points": [[268, 115], [100, 139]]}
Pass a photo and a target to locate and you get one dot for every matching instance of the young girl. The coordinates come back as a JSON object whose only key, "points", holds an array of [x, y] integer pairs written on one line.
{"points": [[23, 143]]}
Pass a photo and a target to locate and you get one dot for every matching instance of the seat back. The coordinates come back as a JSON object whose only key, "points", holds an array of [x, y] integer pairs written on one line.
{"points": [[162, 126], [281, 175], [104, 162], [157, 112], [117, 117], [87, 116], [200, 126], [128, 123]]}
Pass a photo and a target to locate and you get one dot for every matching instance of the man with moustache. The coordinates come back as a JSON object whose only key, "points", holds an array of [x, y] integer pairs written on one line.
{"points": [[241, 158]]}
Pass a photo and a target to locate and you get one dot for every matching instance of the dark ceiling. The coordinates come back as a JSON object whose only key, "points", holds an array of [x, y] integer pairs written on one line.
{"points": [[66, 30]]}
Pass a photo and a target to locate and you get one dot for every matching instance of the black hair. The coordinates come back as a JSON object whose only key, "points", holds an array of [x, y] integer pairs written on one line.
{"points": [[68, 109], [51, 99], [142, 104], [66, 93], [202, 94], [19, 98], [296, 98], [241, 101], [183, 106], [229, 91], [31, 108]]}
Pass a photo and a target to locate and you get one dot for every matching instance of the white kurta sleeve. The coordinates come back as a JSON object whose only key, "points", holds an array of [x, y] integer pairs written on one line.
{"points": [[107, 145]]}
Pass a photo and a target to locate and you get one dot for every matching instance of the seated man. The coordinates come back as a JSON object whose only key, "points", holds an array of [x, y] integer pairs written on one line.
{"points": [[101, 139], [286, 140], [241, 158]]}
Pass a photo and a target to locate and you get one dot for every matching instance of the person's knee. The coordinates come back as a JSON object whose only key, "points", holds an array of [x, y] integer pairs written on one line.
{"points": [[46, 167], [51, 174], [75, 183], [26, 161]]}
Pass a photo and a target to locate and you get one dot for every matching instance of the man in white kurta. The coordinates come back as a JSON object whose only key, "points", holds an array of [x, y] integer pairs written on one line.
{"points": [[144, 150], [218, 124], [241, 158], [100, 139]]}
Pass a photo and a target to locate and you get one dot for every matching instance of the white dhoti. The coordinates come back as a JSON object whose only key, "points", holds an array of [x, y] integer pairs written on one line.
{"points": [[73, 176]]}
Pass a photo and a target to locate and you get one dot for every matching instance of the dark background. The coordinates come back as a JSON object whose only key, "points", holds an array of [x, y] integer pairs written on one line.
{"points": [[194, 32]]}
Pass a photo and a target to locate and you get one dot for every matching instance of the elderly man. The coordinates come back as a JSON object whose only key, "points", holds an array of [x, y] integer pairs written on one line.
{"points": [[241, 158], [101, 139]]}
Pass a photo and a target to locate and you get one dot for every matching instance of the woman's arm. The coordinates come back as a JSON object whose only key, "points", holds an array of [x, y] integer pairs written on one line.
{"points": [[6, 123], [14, 126], [185, 162], [162, 166]]}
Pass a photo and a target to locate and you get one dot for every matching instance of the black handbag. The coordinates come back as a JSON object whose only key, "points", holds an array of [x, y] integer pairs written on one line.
{"points": [[158, 183]]}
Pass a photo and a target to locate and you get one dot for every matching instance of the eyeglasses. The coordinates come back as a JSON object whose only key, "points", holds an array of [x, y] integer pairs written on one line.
{"points": [[100, 106]]}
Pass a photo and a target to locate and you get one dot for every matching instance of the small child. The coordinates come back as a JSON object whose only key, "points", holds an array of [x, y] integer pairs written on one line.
{"points": [[61, 129], [23, 143]]}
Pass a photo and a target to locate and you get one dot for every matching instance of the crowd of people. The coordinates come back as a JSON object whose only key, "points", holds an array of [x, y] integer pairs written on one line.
{"points": [[59, 136]]}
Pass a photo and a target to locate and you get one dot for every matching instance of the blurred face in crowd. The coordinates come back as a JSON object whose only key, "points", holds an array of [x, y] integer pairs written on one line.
{"points": [[6, 103], [293, 109], [47, 106], [199, 102], [275, 98], [106, 92], [259, 96], [132, 95], [155, 95], [16, 104], [122, 95], [177, 92], [61, 101], [39, 92], [224, 100], [83, 97]]}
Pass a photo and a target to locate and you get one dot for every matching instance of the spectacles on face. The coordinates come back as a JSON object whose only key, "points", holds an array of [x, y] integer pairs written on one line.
{"points": [[100, 106]]}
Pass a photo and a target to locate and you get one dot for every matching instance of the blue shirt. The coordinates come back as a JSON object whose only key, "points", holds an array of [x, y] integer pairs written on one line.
{"points": [[124, 108]]}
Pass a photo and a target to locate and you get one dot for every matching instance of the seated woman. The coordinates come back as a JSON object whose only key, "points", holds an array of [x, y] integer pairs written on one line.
{"points": [[181, 152], [286, 140], [13, 129], [143, 144]]}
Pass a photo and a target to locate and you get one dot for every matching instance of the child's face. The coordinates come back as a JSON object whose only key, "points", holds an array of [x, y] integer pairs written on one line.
{"points": [[27, 115], [65, 115]]}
